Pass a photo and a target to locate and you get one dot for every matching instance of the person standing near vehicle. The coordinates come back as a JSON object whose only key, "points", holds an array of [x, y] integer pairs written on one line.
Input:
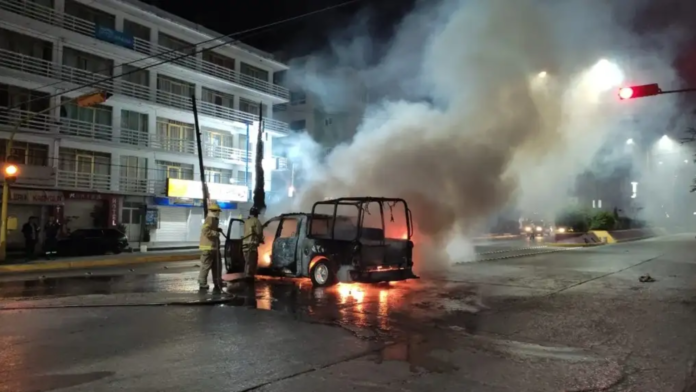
{"points": [[51, 230], [253, 237], [209, 246], [30, 230]]}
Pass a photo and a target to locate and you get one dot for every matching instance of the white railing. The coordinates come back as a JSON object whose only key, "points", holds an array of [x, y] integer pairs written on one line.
{"points": [[139, 185], [33, 65], [86, 130], [232, 154], [24, 63], [176, 101], [182, 146], [47, 15], [282, 163], [41, 123], [76, 180]]}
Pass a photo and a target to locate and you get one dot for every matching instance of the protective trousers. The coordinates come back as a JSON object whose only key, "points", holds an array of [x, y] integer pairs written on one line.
{"points": [[210, 260], [251, 259]]}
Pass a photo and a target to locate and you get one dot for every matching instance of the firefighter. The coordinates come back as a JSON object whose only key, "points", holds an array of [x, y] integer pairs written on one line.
{"points": [[253, 237], [210, 248]]}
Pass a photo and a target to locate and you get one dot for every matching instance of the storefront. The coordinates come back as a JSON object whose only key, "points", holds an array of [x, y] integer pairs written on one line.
{"points": [[88, 210], [181, 219], [23, 204]]}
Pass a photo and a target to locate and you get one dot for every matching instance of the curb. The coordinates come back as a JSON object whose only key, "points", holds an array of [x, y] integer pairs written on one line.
{"points": [[92, 263], [562, 245]]}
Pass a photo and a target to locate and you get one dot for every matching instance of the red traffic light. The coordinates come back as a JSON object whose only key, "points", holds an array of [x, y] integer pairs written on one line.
{"points": [[625, 93], [645, 90]]}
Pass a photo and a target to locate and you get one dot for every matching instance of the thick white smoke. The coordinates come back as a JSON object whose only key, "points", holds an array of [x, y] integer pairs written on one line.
{"points": [[494, 130]]}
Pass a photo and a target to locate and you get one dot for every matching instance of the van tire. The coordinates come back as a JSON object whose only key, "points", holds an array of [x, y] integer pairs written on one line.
{"points": [[322, 274]]}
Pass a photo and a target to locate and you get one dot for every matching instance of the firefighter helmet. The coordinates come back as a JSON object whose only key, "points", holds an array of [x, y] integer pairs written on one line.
{"points": [[213, 206]]}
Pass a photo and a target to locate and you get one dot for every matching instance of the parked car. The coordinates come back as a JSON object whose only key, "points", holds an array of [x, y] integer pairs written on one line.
{"points": [[88, 242]]}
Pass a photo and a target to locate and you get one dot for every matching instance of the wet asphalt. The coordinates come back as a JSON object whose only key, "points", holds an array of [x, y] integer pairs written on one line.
{"points": [[575, 320]]}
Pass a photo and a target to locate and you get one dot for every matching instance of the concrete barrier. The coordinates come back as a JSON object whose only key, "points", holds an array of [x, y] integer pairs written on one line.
{"points": [[576, 240], [615, 236]]}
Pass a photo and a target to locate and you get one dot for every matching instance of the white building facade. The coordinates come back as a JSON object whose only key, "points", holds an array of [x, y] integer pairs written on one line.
{"points": [[132, 160]]}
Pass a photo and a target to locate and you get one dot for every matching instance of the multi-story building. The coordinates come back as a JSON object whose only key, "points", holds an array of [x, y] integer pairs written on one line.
{"points": [[133, 159]]}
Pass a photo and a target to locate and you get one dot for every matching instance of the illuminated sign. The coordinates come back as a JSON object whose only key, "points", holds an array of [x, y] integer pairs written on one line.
{"points": [[186, 189]]}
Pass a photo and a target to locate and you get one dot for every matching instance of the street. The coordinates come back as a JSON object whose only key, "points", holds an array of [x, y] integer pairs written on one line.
{"points": [[567, 320]]}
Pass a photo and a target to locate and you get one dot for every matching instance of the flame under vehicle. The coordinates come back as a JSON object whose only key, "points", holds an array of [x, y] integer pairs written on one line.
{"points": [[352, 239]]}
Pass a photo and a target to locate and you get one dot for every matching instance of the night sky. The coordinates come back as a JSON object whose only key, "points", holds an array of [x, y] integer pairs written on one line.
{"points": [[298, 37], [314, 33]]}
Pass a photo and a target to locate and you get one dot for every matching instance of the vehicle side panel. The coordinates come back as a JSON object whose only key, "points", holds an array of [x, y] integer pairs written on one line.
{"points": [[339, 252]]}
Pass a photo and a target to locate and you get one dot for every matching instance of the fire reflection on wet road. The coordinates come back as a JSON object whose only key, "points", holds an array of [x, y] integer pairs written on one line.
{"points": [[379, 308]]}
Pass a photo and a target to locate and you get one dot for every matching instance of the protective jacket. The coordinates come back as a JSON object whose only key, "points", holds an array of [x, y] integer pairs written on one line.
{"points": [[210, 237], [253, 232]]}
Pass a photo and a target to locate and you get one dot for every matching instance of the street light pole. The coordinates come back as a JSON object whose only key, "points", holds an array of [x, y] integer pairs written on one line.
{"points": [[90, 99]]}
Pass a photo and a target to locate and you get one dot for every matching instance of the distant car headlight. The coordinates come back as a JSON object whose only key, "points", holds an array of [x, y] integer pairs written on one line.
{"points": [[527, 229], [539, 228], [561, 230]]}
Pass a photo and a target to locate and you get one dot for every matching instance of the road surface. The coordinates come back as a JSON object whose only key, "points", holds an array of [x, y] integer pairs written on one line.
{"points": [[575, 320]]}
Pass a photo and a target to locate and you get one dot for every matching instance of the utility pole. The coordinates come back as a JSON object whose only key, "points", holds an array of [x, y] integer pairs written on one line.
{"points": [[199, 145], [259, 192], [85, 100]]}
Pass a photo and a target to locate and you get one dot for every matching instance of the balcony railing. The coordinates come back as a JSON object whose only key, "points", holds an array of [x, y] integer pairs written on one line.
{"points": [[76, 180], [39, 123], [37, 66], [47, 15]]}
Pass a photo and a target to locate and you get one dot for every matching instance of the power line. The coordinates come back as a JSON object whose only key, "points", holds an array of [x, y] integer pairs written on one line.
{"points": [[255, 30]]}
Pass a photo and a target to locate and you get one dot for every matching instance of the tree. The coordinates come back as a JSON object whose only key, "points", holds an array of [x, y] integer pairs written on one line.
{"points": [[603, 220], [574, 218]]}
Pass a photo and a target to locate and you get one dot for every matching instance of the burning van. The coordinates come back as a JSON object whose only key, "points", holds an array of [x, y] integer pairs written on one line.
{"points": [[361, 239]]}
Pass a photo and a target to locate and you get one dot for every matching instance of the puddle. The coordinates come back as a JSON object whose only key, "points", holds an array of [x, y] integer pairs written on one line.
{"points": [[416, 352]]}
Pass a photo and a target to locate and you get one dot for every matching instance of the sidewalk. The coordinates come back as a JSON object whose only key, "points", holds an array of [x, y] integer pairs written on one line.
{"points": [[100, 261]]}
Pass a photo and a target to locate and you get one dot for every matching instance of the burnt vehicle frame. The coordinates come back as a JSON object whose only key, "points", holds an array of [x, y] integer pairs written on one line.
{"points": [[330, 247]]}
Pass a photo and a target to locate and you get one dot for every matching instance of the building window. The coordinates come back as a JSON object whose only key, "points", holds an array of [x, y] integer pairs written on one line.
{"points": [[242, 177], [133, 167], [98, 17], [298, 98], [174, 86], [87, 62], [98, 114], [166, 169], [26, 45], [136, 30], [218, 59], [84, 169], [217, 98], [135, 75], [251, 107], [32, 154], [175, 136], [254, 72], [215, 175], [23, 99], [298, 125], [134, 128]]}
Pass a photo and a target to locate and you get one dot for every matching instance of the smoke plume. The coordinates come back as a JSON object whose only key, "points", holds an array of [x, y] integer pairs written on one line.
{"points": [[498, 103]]}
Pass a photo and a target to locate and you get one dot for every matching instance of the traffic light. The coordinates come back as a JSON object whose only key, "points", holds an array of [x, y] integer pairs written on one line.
{"points": [[10, 171], [92, 99], [645, 90]]}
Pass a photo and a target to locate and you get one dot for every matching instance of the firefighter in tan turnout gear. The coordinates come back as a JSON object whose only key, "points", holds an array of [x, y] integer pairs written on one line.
{"points": [[209, 246], [253, 237]]}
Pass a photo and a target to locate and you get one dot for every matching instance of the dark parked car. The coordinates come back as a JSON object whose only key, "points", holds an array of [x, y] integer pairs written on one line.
{"points": [[87, 242]]}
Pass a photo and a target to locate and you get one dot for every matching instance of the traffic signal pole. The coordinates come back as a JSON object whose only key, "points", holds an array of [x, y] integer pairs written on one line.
{"points": [[8, 153]]}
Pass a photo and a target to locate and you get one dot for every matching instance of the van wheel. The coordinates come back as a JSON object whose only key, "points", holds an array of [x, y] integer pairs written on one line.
{"points": [[322, 274]]}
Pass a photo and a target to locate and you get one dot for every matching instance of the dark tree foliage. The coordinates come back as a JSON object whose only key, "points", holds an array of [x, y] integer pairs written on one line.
{"points": [[259, 192]]}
